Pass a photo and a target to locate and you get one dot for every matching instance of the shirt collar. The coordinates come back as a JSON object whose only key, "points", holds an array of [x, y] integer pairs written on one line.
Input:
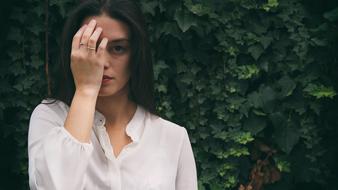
{"points": [[134, 128]]}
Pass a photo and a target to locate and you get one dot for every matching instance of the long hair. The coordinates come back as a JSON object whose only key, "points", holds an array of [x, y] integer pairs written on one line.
{"points": [[141, 82]]}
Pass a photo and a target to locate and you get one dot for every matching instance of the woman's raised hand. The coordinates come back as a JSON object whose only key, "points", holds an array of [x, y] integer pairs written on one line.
{"points": [[87, 60]]}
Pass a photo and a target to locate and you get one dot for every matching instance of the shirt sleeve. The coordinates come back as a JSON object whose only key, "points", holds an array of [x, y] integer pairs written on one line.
{"points": [[186, 178], [57, 160]]}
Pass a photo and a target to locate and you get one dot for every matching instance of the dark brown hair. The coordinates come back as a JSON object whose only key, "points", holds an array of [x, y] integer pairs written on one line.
{"points": [[141, 82]]}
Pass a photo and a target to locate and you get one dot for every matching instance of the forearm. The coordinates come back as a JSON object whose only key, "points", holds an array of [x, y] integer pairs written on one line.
{"points": [[80, 117]]}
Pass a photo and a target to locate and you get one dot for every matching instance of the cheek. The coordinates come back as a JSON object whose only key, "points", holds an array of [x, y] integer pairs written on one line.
{"points": [[122, 68]]}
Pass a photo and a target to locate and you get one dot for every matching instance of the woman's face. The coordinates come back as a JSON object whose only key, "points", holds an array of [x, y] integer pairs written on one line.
{"points": [[117, 55]]}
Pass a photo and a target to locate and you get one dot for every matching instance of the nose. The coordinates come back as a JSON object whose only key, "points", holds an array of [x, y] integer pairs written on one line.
{"points": [[106, 65]]}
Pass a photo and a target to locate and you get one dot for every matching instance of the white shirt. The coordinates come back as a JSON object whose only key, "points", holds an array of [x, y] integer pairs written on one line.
{"points": [[159, 158]]}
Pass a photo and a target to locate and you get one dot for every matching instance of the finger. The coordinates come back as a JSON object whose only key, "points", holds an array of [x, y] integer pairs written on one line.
{"points": [[102, 47], [77, 37], [87, 33], [93, 40]]}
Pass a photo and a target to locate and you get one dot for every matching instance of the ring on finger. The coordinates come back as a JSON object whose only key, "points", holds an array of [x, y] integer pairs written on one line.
{"points": [[91, 48], [81, 43]]}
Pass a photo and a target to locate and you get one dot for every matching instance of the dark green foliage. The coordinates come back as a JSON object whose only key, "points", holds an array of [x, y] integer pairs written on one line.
{"points": [[231, 71]]}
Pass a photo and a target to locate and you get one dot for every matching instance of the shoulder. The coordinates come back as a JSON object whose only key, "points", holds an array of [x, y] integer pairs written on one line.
{"points": [[169, 128], [50, 108], [164, 123], [170, 124]]}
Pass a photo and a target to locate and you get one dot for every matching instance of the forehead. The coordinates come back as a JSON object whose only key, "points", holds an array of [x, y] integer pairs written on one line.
{"points": [[111, 28]]}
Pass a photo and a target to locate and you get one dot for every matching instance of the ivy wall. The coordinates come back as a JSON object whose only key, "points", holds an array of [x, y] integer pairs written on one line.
{"points": [[253, 81]]}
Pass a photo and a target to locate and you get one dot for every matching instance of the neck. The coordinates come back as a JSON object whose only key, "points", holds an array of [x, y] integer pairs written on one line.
{"points": [[118, 110]]}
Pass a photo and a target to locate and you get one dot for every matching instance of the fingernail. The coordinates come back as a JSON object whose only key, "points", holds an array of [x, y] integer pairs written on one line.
{"points": [[92, 21]]}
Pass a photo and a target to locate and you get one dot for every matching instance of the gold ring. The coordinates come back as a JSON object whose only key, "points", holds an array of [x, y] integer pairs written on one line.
{"points": [[91, 48]]}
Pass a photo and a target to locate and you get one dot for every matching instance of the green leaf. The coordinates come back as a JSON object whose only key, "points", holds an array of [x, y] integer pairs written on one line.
{"points": [[282, 164], [149, 7], [161, 88], [159, 67], [285, 134], [184, 20], [216, 186], [247, 71], [255, 51], [201, 10], [319, 42], [233, 152], [332, 15], [255, 99], [265, 41], [169, 28], [258, 112], [287, 86], [320, 91], [270, 4], [265, 98], [200, 185], [243, 137], [254, 124]]}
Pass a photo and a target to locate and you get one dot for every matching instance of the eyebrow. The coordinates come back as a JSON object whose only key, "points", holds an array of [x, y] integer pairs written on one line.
{"points": [[118, 40]]}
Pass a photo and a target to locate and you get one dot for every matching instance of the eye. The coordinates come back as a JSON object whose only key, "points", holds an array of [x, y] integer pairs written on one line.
{"points": [[118, 49]]}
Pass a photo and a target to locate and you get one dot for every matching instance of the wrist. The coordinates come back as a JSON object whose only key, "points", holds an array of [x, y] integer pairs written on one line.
{"points": [[88, 93]]}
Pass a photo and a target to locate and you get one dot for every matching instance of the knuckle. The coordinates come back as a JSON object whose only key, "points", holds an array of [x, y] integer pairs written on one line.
{"points": [[92, 41], [75, 37], [74, 55], [77, 56], [85, 37]]}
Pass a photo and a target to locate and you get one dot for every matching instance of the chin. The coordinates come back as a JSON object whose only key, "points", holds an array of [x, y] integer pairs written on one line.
{"points": [[104, 95], [108, 92]]}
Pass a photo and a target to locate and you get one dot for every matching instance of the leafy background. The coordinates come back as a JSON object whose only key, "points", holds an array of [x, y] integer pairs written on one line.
{"points": [[253, 81]]}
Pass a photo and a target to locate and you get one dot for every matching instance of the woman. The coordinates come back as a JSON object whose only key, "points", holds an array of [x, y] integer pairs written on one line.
{"points": [[100, 130]]}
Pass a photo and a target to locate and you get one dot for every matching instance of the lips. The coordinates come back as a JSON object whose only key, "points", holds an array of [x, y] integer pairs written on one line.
{"points": [[106, 77]]}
